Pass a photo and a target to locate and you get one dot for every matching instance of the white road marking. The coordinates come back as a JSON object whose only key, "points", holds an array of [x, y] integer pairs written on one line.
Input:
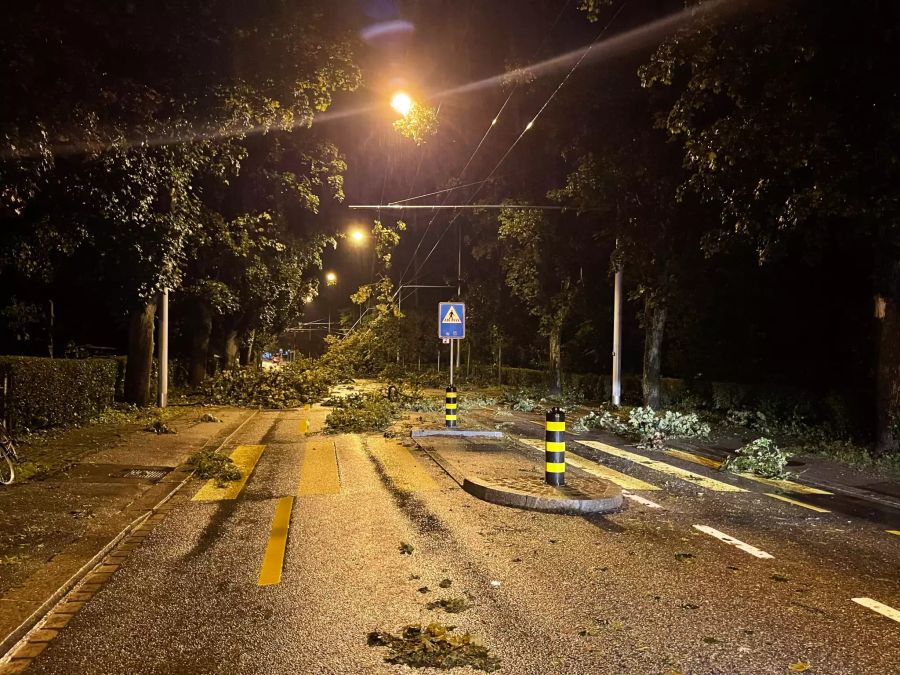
{"points": [[641, 500], [721, 536], [879, 607]]}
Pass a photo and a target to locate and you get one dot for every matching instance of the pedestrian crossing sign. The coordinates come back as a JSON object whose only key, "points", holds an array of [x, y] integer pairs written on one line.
{"points": [[452, 320]]}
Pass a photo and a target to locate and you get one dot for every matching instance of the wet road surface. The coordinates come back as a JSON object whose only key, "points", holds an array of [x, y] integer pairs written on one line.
{"points": [[290, 570]]}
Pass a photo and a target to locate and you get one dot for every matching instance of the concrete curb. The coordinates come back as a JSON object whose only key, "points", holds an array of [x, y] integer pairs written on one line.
{"points": [[11, 641], [508, 496], [465, 433]]}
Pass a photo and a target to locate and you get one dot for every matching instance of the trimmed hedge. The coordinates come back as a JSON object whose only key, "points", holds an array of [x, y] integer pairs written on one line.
{"points": [[57, 392]]}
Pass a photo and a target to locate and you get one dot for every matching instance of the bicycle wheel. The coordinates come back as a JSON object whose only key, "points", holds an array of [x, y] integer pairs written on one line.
{"points": [[7, 472]]}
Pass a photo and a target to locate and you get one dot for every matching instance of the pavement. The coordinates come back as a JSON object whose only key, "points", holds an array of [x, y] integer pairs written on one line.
{"points": [[331, 537]]}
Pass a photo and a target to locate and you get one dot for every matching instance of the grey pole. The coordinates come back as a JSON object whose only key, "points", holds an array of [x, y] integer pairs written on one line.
{"points": [[617, 340], [451, 361], [164, 348]]}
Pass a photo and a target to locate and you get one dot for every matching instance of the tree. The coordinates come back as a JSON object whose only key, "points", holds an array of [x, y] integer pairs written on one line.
{"points": [[789, 128]]}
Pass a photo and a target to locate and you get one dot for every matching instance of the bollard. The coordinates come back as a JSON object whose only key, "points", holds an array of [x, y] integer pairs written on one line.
{"points": [[450, 407], [555, 447]]}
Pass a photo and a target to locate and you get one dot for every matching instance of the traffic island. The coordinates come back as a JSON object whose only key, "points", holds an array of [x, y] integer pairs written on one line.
{"points": [[581, 495]]}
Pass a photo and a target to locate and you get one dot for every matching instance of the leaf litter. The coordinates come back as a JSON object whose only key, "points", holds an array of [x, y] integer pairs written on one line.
{"points": [[434, 646]]}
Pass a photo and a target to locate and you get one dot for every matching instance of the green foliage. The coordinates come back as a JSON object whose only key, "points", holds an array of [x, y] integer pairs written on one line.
{"points": [[419, 125], [654, 429], [762, 457], [211, 464], [450, 605], [57, 392], [605, 420], [372, 412], [286, 387], [434, 646]]}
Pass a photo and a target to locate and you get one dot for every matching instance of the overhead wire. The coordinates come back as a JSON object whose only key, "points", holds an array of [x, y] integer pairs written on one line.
{"points": [[527, 128]]}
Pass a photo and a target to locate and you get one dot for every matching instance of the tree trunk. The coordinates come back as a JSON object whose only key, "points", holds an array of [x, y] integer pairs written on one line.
{"points": [[654, 327], [200, 347], [247, 358], [139, 365], [887, 386], [556, 360], [232, 349]]}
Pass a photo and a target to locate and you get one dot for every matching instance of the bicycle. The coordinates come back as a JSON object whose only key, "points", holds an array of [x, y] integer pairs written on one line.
{"points": [[8, 450]]}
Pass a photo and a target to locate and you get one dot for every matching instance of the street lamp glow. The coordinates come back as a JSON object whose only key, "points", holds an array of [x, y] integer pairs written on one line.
{"points": [[357, 236], [331, 278], [402, 103]]}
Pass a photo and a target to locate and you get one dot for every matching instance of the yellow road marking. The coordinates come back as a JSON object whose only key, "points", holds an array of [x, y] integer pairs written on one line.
{"points": [[401, 467], [879, 607], [691, 477], [245, 458], [319, 471], [542, 426], [696, 459], [796, 503], [304, 425], [785, 485], [897, 532], [596, 469], [273, 559]]}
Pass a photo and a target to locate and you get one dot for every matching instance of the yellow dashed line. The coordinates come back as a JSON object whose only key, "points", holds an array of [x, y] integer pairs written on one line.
{"points": [[695, 478], [319, 472], [402, 468], [796, 503], [245, 458], [785, 485], [273, 559], [596, 469], [304, 425], [897, 532], [696, 459]]}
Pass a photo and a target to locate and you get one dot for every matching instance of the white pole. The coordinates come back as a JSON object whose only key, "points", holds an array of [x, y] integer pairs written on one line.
{"points": [[617, 340], [164, 348]]}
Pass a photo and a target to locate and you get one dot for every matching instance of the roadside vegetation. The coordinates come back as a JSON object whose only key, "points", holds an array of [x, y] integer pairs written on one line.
{"points": [[209, 464]]}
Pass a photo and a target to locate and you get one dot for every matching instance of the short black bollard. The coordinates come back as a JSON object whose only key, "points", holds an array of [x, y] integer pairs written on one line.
{"points": [[450, 407], [555, 447]]}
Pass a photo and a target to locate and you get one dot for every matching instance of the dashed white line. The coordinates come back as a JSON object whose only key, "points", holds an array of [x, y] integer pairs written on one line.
{"points": [[641, 500], [879, 607], [721, 536]]}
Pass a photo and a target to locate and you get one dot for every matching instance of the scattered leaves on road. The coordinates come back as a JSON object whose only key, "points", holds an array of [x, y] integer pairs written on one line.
{"points": [[710, 640], [406, 549], [684, 557], [434, 646], [160, 427], [208, 417], [445, 583], [211, 464], [450, 605], [799, 666]]}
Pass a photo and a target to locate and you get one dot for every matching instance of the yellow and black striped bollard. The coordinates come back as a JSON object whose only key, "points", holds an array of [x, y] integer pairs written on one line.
{"points": [[450, 407], [555, 447]]}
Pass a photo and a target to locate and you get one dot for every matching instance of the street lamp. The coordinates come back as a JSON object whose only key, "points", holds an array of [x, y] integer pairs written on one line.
{"points": [[402, 103], [331, 278], [357, 236]]}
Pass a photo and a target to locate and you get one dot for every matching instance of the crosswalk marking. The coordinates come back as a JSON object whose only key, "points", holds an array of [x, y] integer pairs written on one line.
{"points": [[640, 500], [881, 608], [897, 532], [728, 539], [245, 458], [319, 471], [596, 469], [819, 509], [273, 559], [781, 484], [690, 476], [401, 467], [304, 425]]}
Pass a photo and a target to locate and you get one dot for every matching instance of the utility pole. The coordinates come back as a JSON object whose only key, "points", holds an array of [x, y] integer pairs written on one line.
{"points": [[163, 387], [617, 340]]}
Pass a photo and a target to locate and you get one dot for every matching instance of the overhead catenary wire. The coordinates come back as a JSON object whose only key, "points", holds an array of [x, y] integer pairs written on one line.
{"points": [[527, 128]]}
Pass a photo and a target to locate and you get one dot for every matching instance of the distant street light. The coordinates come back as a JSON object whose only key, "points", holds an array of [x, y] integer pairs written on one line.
{"points": [[357, 236], [402, 103], [331, 278]]}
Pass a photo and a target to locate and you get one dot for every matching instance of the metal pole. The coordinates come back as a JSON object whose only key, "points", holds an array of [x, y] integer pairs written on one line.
{"points": [[164, 348], [451, 362], [617, 340], [555, 447]]}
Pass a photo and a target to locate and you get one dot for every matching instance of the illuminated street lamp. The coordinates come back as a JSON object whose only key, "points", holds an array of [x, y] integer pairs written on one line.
{"points": [[357, 236], [402, 103], [331, 278]]}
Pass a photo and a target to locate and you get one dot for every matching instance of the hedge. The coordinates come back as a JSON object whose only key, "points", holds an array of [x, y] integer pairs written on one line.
{"points": [[57, 392]]}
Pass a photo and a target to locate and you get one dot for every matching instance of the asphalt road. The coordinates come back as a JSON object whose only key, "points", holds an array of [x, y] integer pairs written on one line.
{"points": [[646, 590]]}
